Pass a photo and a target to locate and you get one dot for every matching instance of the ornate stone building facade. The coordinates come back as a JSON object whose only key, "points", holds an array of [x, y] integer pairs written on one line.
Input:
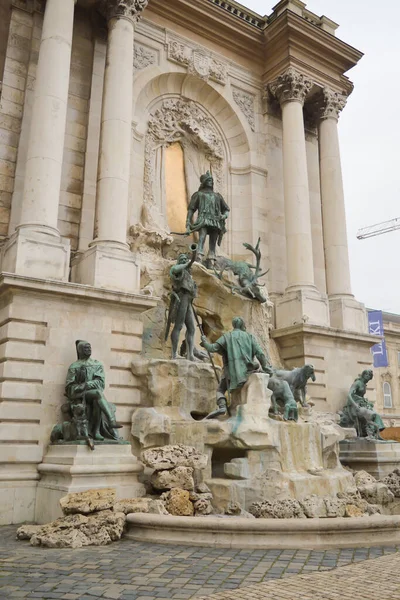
{"points": [[94, 95]]}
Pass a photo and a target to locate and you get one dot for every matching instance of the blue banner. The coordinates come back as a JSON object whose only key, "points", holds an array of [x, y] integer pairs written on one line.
{"points": [[375, 327]]}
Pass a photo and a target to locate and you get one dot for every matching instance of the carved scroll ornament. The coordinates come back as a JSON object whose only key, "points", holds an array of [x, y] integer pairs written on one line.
{"points": [[290, 86]]}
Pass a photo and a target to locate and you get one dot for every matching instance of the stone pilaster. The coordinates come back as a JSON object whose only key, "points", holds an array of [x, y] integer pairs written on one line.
{"points": [[301, 299], [109, 263], [345, 312], [36, 248]]}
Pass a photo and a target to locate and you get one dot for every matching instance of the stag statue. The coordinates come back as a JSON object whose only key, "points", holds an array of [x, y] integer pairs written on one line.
{"points": [[247, 274]]}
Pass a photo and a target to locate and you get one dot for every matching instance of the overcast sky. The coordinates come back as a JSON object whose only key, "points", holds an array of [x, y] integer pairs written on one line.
{"points": [[369, 129]]}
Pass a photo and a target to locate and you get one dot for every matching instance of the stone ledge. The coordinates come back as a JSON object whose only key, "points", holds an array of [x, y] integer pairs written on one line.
{"points": [[139, 302], [236, 532], [303, 328]]}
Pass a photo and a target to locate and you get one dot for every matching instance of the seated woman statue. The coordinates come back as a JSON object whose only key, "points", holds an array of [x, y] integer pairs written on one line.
{"points": [[85, 384], [359, 412]]}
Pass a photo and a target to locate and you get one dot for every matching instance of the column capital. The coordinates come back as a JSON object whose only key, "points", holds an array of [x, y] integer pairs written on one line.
{"points": [[123, 9], [331, 104], [291, 86]]}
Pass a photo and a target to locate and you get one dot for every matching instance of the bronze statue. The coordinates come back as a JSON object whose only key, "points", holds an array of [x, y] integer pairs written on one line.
{"points": [[282, 399], [184, 291], [247, 274], [91, 416], [212, 212], [359, 412], [297, 380], [238, 349]]}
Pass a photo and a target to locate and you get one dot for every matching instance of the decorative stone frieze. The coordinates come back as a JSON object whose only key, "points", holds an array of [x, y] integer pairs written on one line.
{"points": [[198, 62], [143, 57], [290, 86], [179, 53], [331, 104], [245, 101], [128, 9]]}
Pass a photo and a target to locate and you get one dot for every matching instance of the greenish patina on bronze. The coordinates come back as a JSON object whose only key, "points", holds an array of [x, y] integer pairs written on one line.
{"points": [[239, 349], [212, 212], [91, 416], [184, 291], [359, 412], [247, 274]]}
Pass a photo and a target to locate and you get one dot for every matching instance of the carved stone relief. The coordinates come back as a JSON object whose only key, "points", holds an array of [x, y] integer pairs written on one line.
{"points": [[245, 101], [144, 57], [183, 121], [198, 62]]}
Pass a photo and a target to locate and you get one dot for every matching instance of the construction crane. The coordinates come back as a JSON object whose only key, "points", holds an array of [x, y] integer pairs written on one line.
{"points": [[378, 229]]}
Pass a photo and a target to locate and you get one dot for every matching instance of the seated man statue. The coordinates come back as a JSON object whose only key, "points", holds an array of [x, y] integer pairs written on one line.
{"points": [[85, 385], [238, 349], [359, 412]]}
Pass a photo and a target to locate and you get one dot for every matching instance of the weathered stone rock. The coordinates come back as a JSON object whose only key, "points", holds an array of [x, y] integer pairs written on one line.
{"points": [[194, 496], [177, 503], [376, 493], [353, 511], [25, 532], [233, 509], [393, 482], [314, 507], [72, 538], [88, 502], [180, 477], [202, 507], [362, 478], [335, 507], [169, 457], [279, 509], [140, 505], [76, 531]]}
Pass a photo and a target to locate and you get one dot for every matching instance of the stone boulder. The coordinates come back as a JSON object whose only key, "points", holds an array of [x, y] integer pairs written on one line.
{"points": [[393, 482], [376, 493], [76, 530], [177, 502], [335, 507], [278, 509], [372, 491], [88, 502], [140, 505], [234, 509], [169, 457], [25, 532], [353, 511], [179, 477], [202, 507], [314, 507]]}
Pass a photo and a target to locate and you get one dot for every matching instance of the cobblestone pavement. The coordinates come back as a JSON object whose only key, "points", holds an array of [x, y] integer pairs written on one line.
{"points": [[368, 580], [130, 570]]}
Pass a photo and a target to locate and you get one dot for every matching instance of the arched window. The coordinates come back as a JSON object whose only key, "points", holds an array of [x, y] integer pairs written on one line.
{"points": [[387, 395], [175, 187]]}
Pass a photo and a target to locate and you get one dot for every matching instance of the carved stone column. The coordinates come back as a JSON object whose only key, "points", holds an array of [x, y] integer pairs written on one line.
{"points": [[109, 263], [36, 248], [301, 300], [345, 312]]}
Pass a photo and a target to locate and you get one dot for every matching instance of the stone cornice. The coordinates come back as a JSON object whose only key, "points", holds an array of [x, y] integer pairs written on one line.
{"points": [[290, 86], [123, 9], [290, 40]]}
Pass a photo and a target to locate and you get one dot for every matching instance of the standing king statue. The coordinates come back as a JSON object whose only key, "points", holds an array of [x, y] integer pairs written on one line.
{"points": [[212, 212]]}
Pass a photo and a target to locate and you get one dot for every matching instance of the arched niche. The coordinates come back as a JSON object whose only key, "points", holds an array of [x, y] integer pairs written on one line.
{"points": [[179, 108]]}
